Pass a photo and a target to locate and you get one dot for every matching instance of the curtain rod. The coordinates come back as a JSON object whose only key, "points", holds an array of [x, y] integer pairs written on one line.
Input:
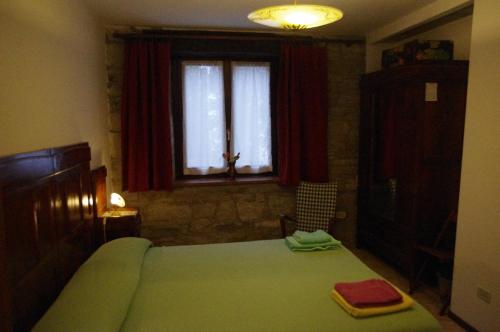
{"points": [[224, 35]]}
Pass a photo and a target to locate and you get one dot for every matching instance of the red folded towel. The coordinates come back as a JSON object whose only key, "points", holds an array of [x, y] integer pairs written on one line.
{"points": [[368, 293]]}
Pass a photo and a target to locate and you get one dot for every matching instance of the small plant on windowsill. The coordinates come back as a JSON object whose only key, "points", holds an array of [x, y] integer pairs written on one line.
{"points": [[231, 164]]}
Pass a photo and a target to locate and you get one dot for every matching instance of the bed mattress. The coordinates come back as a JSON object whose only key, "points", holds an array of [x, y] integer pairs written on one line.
{"points": [[245, 286]]}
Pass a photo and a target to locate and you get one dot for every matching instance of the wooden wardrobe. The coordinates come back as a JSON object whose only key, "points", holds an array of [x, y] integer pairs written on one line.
{"points": [[411, 135]]}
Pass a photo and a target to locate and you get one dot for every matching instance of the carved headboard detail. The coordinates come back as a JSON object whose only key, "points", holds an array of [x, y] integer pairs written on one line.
{"points": [[99, 190], [46, 229]]}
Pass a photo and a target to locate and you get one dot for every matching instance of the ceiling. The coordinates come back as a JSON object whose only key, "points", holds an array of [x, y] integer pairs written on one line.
{"points": [[360, 16]]}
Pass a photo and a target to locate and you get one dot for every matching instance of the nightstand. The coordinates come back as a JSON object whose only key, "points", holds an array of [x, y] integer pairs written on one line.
{"points": [[116, 224]]}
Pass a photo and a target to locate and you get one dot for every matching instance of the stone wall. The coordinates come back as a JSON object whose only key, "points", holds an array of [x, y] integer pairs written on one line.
{"points": [[345, 67], [243, 212]]}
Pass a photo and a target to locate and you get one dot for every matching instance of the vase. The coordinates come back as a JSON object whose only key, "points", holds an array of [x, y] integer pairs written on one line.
{"points": [[231, 170]]}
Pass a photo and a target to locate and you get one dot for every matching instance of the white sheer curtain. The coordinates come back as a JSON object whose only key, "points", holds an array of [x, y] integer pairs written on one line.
{"points": [[204, 120], [251, 116]]}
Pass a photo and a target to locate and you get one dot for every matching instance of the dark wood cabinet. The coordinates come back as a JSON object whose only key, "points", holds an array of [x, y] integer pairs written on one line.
{"points": [[411, 135], [123, 223]]}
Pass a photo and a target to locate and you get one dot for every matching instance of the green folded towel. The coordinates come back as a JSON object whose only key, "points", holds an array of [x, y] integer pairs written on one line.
{"points": [[292, 243], [318, 236]]}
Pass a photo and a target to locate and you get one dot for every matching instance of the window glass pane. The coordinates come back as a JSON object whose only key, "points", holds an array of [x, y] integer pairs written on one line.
{"points": [[204, 121], [251, 117]]}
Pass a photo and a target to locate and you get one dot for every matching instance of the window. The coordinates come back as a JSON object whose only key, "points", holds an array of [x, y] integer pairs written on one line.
{"points": [[225, 106], [203, 117]]}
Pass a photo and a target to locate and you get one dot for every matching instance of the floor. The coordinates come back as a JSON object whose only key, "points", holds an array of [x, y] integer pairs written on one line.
{"points": [[426, 296]]}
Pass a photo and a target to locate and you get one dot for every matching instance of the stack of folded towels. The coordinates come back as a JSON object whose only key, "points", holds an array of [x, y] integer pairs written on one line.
{"points": [[305, 241], [370, 297]]}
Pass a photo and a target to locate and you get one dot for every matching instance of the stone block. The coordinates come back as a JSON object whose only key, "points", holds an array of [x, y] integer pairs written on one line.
{"points": [[115, 172], [351, 184], [115, 124], [265, 188], [232, 233], [114, 82], [200, 224], [160, 229], [131, 199], [272, 223], [245, 197], [163, 210], [209, 196], [252, 211], [346, 201], [205, 210], [182, 196], [115, 147], [344, 168], [114, 103], [281, 203], [116, 185], [226, 213], [114, 54], [128, 196], [147, 197]]}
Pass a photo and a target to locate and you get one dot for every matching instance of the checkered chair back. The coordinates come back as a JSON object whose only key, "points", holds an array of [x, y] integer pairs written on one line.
{"points": [[316, 203]]}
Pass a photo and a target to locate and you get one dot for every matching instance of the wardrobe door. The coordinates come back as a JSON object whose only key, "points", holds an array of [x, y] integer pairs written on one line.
{"points": [[441, 151], [369, 105]]}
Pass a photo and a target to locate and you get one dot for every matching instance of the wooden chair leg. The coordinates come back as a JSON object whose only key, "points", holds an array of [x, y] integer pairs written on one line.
{"points": [[283, 227], [416, 281], [445, 306], [286, 221]]}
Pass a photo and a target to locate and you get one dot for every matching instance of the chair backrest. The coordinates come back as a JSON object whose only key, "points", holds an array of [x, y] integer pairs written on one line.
{"points": [[316, 203]]}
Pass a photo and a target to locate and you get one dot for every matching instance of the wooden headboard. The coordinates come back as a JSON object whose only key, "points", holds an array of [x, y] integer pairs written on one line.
{"points": [[99, 190], [46, 229]]}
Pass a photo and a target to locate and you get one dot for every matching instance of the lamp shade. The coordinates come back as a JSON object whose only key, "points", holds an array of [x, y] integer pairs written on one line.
{"points": [[117, 200], [296, 17]]}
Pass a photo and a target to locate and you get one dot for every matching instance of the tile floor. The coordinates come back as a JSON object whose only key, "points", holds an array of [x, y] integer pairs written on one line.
{"points": [[426, 296]]}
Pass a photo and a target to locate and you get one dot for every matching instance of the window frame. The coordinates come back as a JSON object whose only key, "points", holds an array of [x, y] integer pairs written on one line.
{"points": [[178, 119]]}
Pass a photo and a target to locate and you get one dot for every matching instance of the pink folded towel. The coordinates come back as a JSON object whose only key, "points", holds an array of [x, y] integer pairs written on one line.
{"points": [[368, 293]]}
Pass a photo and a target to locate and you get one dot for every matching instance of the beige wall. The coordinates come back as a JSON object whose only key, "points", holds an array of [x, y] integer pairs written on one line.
{"points": [[52, 82], [458, 31], [477, 258]]}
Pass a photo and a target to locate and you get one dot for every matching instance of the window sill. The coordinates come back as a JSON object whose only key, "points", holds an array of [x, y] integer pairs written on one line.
{"points": [[225, 181]]}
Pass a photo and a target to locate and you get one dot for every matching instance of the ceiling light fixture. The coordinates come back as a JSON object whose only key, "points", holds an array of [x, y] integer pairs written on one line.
{"points": [[296, 17]]}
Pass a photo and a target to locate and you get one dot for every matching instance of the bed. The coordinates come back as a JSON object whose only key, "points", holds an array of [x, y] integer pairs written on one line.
{"points": [[247, 286], [48, 203], [46, 229]]}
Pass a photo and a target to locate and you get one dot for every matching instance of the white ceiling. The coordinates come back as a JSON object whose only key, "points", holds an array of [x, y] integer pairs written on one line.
{"points": [[360, 16]]}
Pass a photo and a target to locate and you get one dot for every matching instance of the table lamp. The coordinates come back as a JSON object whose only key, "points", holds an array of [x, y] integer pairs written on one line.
{"points": [[117, 201]]}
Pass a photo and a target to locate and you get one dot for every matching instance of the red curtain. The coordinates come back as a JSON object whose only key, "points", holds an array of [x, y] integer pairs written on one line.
{"points": [[146, 138], [302, 114]]}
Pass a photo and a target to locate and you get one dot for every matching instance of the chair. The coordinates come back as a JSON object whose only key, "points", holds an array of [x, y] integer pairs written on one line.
{"points": [[316, 204], [437, 253]]}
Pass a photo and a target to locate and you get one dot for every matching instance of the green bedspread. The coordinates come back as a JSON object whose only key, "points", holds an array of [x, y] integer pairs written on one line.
{"points": [[98, 296], [254, 286], [248, 286]]}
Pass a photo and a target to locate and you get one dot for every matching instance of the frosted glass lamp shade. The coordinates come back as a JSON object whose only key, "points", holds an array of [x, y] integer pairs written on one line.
{"points": [[296, 17], [117, 200]]}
